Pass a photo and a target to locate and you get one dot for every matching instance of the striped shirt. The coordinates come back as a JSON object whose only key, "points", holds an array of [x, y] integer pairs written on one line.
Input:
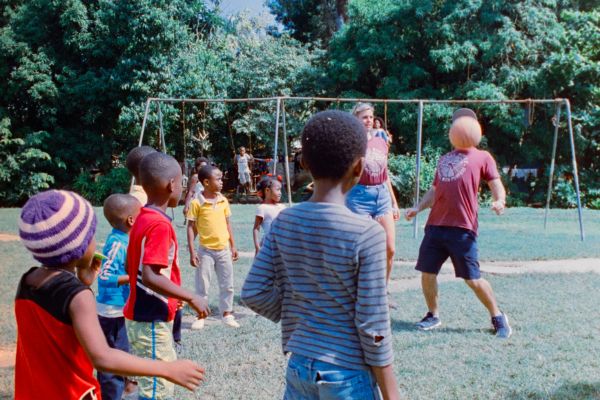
{"points": [[321, 271]]}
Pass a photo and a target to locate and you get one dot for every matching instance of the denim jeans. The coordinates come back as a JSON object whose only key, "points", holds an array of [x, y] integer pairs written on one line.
{"points": [[308, 378], [111, 385]]}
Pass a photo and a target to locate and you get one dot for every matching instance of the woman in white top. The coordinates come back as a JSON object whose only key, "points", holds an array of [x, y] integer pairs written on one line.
{"points": [[269, 189]]}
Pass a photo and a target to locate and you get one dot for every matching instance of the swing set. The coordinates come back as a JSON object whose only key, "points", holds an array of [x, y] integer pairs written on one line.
{"points": [[280, 128]]}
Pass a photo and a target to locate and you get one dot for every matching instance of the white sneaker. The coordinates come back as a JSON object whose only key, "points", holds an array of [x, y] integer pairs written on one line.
{"points": [[230, 321], [198, 324]]}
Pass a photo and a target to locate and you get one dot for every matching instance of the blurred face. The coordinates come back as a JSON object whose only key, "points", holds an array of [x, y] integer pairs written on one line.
{"points": [[215, 182], [376, 124], [366, 117], [242, 151], [274, 192]]}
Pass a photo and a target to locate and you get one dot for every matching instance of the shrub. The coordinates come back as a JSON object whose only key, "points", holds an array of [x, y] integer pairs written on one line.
{"points": [[97, 188], [402, 173]]}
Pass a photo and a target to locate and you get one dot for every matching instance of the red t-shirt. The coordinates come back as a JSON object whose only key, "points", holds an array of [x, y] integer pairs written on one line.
{"points": [[456, 184], [152, 241], [51, 363], [375, 172]]}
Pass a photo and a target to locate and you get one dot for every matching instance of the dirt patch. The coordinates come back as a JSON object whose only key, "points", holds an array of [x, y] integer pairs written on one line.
{"points": [[7, 356], [8, 237]]}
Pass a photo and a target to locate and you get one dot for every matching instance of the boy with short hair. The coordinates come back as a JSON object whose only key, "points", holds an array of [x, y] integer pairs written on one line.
{"points": [[153, 269], [208, 218], [120, 210], [321, 271], [132, 162], [451, 229], [59, 339]]}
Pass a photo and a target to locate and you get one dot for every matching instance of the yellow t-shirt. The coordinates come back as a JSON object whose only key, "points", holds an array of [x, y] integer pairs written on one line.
{"points": [[210, 217]]}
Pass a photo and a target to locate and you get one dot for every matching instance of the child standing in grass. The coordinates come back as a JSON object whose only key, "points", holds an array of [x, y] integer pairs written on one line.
{"points": [[59, 339], [120, 210], [321, 272], [153, 269], [208, 218], [269, 189], [451, 230]]}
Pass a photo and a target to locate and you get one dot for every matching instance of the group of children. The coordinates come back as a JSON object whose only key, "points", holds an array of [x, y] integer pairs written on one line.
{"points": [[319, 268]]}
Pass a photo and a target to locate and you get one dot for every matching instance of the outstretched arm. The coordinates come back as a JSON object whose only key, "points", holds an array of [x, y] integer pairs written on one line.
{"points": [[104, 358], [498, 194], [426, 202]]}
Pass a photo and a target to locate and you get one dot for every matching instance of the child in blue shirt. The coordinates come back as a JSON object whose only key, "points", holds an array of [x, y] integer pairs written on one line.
{"points": [[121, 211]]}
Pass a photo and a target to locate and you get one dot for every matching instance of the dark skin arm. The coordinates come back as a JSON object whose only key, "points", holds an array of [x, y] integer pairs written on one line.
{"points": [[255, 233], [153, 279], [104, 358]]}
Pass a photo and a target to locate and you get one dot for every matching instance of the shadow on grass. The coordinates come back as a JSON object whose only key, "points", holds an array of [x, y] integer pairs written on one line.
{"points": [[567, 391], [410, 326]]}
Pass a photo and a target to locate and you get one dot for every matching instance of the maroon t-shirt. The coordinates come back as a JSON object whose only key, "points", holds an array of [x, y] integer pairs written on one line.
{"points": [[375, 172], [456, 184]]}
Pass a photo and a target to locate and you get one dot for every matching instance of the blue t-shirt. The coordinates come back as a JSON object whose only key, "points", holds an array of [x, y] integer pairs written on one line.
{"points": [[109, 292]]}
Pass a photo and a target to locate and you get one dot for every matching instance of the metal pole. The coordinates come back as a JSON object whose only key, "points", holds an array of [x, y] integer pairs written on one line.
{"points": [[162, 132], [276, 136], [551, 177], [418, 166], [285, 153], [575, 173], [146, 111]]}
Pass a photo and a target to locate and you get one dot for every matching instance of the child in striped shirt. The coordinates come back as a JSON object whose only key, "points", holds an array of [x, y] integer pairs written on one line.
{"points": [[321, 272]]}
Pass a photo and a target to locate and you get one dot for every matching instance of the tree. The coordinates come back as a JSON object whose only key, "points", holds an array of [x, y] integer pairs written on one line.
{"points": [[496, 49], [310, 21]]}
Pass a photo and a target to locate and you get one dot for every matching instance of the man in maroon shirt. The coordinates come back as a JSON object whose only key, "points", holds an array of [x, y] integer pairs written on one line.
{"points": [[451, 229]]}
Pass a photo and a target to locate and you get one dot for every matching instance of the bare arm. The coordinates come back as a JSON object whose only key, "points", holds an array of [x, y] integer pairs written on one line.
{"points": [[426, 202], [191, 236], [234, 252], [153, 279], [387, 382], [190, 193], [256, 232], [104, 358], [123, 280], [394, 201], [498, 194]]}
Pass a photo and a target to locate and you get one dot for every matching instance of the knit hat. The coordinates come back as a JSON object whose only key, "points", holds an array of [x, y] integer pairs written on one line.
{"points": [[57, 226]]}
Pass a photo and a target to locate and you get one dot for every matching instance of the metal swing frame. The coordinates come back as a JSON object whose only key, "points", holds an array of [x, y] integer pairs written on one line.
{"points": [[280, 115]]}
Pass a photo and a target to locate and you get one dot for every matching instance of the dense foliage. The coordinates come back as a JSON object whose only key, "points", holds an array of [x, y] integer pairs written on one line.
{"points": [[74, 77]]}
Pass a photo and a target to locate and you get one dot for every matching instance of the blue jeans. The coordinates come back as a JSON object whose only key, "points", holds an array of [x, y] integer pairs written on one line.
{"points": [[111, 386], [307, 378], [374, 201]]}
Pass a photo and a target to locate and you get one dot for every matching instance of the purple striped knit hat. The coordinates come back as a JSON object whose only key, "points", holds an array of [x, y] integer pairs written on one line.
{"points": [[57, 226]]}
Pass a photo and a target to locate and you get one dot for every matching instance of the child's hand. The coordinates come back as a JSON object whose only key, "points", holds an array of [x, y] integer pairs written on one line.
{"points": [[498, 207], [180, 304], [194, 260], [410, 213], [89, 274], [234, 254], [200, 305], [396, 213], [185, 211], [185, 373], [256, 250]]}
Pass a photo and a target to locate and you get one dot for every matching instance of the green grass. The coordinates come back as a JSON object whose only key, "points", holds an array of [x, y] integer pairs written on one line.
{"points": [[554, 353]]}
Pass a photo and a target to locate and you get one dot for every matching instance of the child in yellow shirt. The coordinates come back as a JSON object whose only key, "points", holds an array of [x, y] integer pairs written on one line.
{"points": [[208, 218]]}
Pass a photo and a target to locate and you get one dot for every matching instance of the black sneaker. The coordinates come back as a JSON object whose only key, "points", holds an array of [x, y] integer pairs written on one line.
{"points": [[501, 326], [429, 322]]}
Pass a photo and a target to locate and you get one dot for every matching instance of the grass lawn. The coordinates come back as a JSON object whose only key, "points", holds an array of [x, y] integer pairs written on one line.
{"points": [[554, 353]]}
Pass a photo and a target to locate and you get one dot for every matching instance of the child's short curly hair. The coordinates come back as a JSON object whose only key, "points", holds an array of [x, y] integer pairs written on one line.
{"points": [[331, 142]]}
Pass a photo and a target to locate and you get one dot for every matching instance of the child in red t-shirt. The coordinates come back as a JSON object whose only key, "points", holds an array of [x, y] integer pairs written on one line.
{"points": [[59, 339], [153, 269], [451, 230]]}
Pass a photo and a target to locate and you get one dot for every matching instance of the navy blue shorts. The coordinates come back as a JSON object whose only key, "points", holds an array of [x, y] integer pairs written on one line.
{"points": [[441, 242]]}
